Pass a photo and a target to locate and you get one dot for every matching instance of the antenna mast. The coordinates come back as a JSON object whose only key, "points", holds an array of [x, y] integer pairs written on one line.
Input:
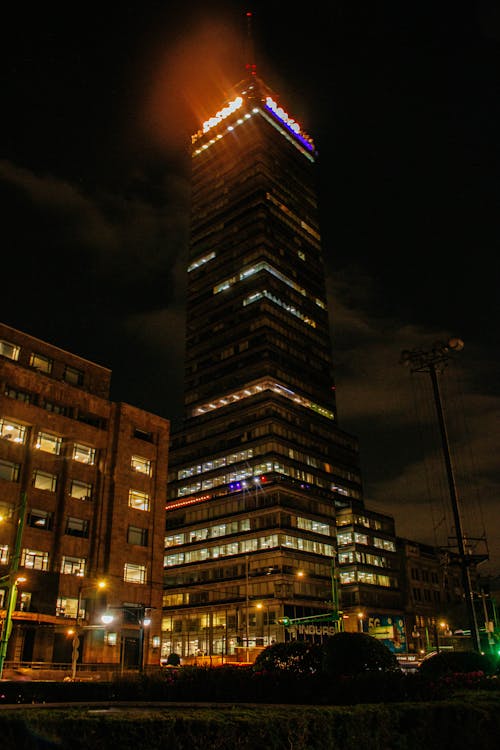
{"points": [[250, 65]]}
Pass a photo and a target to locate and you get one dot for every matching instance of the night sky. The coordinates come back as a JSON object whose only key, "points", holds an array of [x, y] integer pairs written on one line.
{"points": [[98, 105]]}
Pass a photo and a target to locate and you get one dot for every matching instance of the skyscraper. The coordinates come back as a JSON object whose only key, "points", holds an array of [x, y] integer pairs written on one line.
{"points": [[260, 466]]}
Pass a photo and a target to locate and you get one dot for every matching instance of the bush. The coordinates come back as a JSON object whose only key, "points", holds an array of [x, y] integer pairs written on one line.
{"points": [[457, 662], [295, 657], [347, 654], [173, 660]]}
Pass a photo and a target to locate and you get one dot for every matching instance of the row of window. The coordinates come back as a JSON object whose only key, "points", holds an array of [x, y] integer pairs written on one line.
{"points": [[425, 575], [347, 538], [428, 595], [45, 441], [362, 576], [218, 530], [50, 443], [236, 479], [39, 560], [243, 546], [43, 480], [41, 362]]}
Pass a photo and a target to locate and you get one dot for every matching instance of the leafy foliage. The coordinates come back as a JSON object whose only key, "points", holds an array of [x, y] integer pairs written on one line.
{"points": [[355, 653], [457, 662], [173, 659], [296, 657]]}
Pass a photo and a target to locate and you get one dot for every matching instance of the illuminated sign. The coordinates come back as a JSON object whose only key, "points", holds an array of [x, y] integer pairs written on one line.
{"points": [[222, 114], [291, 124]]}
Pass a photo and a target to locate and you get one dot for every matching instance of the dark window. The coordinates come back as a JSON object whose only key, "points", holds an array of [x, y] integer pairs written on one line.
{"points": [[56, 408], [40, 519], [9, 471], [77, 526], [143, 435], [28, 398], [73, 376], [137, 535]]}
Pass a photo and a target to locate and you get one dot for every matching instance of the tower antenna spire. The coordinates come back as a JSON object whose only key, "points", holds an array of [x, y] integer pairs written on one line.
{"points": [[250, 65]]}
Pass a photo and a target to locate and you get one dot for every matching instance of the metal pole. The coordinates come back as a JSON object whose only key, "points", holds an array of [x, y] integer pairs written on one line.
{"points": [[421, 361], [76, 638], [11, 580], [466, 580], [247, 604]]}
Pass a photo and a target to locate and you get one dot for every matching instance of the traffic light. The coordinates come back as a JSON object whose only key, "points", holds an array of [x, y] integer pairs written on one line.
{"points": [[284, 621]]}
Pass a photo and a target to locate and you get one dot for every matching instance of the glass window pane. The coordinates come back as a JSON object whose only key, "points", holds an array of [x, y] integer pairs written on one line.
{"points": [[9, 471], [40, 519], [138, 500], [48, 443], [36, 559], [40, 362], [81, 490], [142, 465], [12, 431], [133, 573], [9, 350], [42, 480], [84, 454], [73, 376]]}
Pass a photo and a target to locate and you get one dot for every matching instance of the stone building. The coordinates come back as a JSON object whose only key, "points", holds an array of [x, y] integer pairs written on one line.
{"points": [[90, 475]]}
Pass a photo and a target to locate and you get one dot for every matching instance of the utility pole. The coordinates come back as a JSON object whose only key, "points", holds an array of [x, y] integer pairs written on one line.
{"points": [[11, 579], [432, 362]]}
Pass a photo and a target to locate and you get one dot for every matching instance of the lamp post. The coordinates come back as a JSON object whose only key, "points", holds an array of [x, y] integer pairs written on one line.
{"points": [[78, 626], [12, 580], [246, 605], [433, 362]]}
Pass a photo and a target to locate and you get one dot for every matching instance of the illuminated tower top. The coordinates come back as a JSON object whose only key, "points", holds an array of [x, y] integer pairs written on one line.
{"points": [[252, 98]]}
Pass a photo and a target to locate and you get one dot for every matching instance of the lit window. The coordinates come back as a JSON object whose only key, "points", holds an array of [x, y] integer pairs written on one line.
{"points": [[6, 510], [138, 500], [40, 519], [136, 535], [42, 480], [11, 351], [77, 526], [84, 454], [133, 573], [80, 490], [73, 566], [48, 443], [40, 362], [66, 607], [36, 559], [4, 554], [73, 376], [12, 431], [142, 465]]}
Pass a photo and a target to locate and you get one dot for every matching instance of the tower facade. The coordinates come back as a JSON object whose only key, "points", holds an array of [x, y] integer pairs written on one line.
{"points": [[260, 466]]}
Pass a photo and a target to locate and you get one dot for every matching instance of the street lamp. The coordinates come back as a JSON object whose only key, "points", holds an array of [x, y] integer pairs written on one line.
{"points": [[12, 580], [78, 625]]}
